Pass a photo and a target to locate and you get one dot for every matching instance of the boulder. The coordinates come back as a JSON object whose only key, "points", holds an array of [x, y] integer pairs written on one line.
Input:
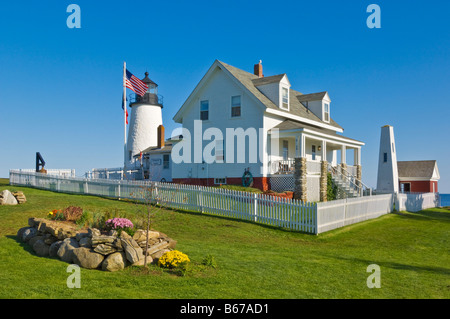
{"points": [[49, 239], [28, 234], [132, 250], [66, 234], [93, 232], [113, 232], [41, 248], [53, 250], [141, 235], [172, 243], [124, 235], [158, 254], [7, 198], [157, 247], [80, 235], [103, 239], [151, 242], [86, 258], [31, 221], [54, 230], [105, 249], [33, 240], [65, 251], [85, 242], [20, 233], [20, 197], [141, 262], [114, 262]]}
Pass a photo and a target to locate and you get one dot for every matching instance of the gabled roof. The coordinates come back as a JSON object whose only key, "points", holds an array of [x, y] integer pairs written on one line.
{"points": [[417, 169], [248, 80], [155, 150], [312, 97], [295, 107], [268, 79]]}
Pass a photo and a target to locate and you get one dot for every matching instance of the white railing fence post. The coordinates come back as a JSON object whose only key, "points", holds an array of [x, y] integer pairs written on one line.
{"points": [[255, 213]]}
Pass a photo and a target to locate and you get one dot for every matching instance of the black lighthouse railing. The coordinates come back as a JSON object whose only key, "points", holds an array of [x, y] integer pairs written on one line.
{"points": [[148, 98]]}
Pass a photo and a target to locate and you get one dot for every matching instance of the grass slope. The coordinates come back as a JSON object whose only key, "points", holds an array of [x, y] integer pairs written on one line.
{"points": [[254, 261]]}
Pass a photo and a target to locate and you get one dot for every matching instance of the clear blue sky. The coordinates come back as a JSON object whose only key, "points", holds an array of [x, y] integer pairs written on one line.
{"points": [[61, 88]]}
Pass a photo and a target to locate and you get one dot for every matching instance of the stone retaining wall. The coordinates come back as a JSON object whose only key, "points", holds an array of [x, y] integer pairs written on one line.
{"points": [[90, 248]]}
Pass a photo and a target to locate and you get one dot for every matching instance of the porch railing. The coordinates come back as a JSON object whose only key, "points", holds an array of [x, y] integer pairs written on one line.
{"points": [[351, 184], [282, 167], [287, 167]]}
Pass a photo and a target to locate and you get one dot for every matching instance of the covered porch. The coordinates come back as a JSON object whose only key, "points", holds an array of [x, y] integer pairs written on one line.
{"points": [[321, 151], [335, 150]]}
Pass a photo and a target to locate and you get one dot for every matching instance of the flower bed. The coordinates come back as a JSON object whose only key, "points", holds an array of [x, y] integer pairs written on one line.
{"points": [[287, 194], [110, 249]]}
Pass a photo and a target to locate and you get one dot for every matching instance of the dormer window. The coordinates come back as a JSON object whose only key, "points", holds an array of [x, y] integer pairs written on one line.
{"points": [[326, 112], [285, 98]]}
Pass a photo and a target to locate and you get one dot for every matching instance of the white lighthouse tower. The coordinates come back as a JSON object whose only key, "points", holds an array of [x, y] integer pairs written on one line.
{"points": [[146, 117], [387, 163]]}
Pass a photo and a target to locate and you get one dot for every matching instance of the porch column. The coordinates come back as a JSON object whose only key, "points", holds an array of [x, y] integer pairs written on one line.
{"points": [[300, 145], [323, 173], [300, 178], [343, 157], [357, 154]]}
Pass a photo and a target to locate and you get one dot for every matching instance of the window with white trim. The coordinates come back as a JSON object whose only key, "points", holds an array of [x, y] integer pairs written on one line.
{"points": [[204, 110], [166, 161], [285, 98], [220, 181], [326, 112], [220, 151], [236, 106]]}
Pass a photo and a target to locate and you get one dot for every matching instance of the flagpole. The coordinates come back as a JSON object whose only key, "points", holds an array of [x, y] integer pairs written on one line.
{"points": [[124, 117]]}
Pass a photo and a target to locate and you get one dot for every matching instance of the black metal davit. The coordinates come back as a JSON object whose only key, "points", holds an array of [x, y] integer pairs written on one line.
{"points": [[39, 162]]}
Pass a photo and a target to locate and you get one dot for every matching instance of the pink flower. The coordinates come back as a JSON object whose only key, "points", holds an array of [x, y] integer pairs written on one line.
{"points": [[117, 223]]}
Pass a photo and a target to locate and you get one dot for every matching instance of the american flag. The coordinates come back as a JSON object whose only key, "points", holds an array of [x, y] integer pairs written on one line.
{"points": [[124, 106], [135, 84]]}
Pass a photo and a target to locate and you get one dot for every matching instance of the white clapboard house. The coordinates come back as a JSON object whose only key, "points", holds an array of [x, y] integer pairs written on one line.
{"points": [[226, 108]]}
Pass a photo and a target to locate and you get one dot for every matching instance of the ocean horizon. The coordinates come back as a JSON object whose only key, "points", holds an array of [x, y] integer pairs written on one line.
{"points": [[445, 199]]}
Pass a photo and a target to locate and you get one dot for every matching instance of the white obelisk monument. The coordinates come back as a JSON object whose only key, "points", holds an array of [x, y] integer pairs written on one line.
{"points": [[387, 181]]}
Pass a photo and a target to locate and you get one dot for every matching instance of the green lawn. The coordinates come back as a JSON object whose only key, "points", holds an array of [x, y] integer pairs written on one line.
{"points": [[254, 261]]}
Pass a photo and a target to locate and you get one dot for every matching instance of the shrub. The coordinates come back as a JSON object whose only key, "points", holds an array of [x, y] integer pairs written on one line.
{"points": [[72, 213], [173, 259], [210, 261], [84, 219], [332, 188]]}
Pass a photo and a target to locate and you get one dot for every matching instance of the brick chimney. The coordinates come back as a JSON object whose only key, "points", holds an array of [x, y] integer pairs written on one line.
{"points": [[258, 69], [161, 142]]}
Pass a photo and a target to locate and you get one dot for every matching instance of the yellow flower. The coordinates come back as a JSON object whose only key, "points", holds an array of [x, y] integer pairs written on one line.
{"points": [[173, 259]]}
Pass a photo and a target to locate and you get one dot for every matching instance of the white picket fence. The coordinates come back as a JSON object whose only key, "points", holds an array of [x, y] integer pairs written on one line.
{"points": [[259, 208], [68, 172], [415, 202], [312, 218], [342, 212]]}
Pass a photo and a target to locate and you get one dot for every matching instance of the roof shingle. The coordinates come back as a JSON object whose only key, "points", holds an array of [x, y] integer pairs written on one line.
{"points": [[295, 108]]}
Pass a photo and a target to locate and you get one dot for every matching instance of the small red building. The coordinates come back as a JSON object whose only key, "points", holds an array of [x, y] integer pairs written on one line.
{"points": [[418, 176]]}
